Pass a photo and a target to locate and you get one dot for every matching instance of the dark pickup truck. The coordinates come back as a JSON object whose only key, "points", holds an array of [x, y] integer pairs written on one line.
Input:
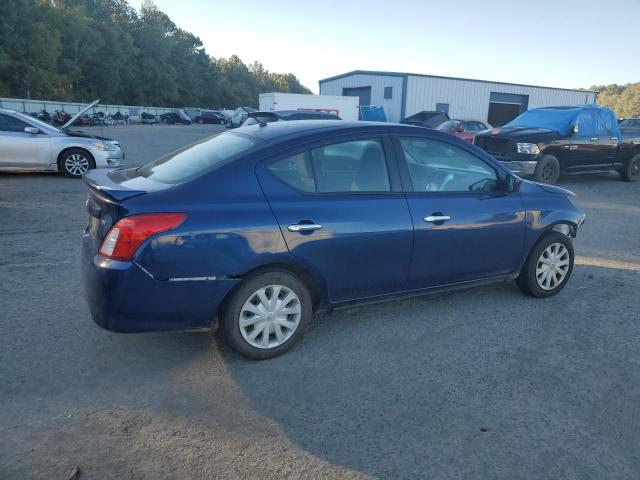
{"points": [[548, 142]]}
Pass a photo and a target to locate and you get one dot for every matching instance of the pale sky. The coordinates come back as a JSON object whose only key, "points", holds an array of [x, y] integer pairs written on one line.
{"points": [[557, 43]]}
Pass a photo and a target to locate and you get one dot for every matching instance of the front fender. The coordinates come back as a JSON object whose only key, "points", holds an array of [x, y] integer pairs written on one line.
{"points": [[548, 207]]}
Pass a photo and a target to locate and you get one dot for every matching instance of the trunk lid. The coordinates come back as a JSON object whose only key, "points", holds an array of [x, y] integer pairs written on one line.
{"points": [[108, 192]]}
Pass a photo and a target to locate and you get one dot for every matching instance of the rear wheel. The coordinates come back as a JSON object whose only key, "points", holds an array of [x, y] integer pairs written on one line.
{"points": [[548, 267], [267, 315], [75, 162], [631, 172], [547, 170]]}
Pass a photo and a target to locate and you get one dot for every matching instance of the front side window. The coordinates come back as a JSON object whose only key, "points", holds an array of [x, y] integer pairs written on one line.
{"points": [[585, 126], [10, 124], [197, 159], [436, 166]]}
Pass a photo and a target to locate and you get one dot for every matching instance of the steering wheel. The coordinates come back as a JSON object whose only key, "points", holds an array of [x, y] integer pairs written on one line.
{"points": [[446, 181]]}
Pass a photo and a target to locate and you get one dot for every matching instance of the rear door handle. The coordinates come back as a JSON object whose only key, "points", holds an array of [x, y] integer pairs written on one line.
{"points": [[594, 139], [437, 218], [304, 227]]}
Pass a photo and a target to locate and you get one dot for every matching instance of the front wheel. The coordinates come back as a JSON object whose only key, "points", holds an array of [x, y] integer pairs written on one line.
{"points": [[75, 162], [547, 170], [631, 172], [548, 267], [267, 315]]}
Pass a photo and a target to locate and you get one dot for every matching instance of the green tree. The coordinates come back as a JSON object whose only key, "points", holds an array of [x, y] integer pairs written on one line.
{"points": [[86, 49], [622, 99]]}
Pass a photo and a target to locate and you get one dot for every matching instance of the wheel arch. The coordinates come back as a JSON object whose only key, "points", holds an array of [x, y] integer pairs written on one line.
{"points": [[558, 153], [312, 279], [74, 147], [566, 227]]}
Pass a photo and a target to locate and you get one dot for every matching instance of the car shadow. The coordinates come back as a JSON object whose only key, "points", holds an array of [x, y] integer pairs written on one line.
{"points": [[481, 383]]}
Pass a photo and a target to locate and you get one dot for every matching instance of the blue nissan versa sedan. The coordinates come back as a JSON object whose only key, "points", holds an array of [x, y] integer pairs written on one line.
{"points": [[258, 227]]}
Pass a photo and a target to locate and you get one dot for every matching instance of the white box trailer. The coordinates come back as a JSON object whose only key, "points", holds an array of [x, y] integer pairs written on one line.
{"points": [[344, 107]]}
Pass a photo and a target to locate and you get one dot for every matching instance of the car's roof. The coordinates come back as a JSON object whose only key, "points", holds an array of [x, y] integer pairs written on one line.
{"points": [[275, 131], [7, 111], [588, 106]]}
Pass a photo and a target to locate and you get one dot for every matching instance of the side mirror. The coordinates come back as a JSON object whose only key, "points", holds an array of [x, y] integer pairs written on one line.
{"points": [[512, 183], [32, 130]]}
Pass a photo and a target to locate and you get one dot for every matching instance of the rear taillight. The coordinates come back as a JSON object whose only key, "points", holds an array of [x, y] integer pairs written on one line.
{"points": [[126, 236]]}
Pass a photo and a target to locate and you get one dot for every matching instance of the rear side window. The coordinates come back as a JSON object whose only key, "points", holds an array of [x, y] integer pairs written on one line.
{"points": [[357, 166], [296, 171], [197, 159]]}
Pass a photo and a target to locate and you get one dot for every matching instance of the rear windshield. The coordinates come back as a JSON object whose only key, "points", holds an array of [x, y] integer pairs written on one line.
{"points": [[197, 159]]}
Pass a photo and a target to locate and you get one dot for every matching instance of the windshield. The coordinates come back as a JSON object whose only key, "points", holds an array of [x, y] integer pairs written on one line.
{"points": [[447, 126], [558, 120], [197, 159]]}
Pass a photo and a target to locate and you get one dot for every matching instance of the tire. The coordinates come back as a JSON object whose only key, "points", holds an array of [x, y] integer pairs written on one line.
{"points": [[75, 162], [258, 313], [547, 170], [631, 172], [532, 280]]}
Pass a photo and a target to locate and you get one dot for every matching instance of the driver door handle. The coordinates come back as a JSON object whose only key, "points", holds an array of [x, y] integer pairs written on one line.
{"points": [[304, 227], [437, 218]]}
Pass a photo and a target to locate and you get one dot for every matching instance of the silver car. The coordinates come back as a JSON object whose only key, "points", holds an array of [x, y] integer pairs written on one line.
{"points": [[27, 144]]}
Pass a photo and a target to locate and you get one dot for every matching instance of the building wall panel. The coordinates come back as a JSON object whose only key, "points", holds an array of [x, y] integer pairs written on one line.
{"points": [[393, 106], [470, 99], [466, 98]]}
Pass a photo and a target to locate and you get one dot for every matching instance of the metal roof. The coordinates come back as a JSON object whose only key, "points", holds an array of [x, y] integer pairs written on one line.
{"points": [[407, 74]]}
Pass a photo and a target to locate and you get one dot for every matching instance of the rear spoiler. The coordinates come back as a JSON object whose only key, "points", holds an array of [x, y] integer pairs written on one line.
{"points": [[264, 117], [101, 182]]}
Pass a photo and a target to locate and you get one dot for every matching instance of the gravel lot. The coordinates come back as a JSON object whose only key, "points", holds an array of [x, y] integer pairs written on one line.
{"points": [[483, 383]]}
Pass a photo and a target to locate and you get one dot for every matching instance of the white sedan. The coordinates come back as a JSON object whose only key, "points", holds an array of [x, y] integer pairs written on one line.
{"points": [[27, 144]]}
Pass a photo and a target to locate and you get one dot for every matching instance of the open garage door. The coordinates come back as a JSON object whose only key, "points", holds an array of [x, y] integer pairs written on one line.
{"points": [[504, 107], [363, 93]]}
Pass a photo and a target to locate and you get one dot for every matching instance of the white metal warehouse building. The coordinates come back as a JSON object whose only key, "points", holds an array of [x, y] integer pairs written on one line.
{"points": [[404, 94]]}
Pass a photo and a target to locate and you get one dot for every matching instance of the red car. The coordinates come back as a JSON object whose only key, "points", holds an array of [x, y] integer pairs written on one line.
{"points": [[465, 129]]}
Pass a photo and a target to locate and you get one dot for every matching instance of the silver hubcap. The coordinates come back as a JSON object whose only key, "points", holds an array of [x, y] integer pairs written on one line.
{"points": [[552, 266], [76, 164], [270, 316]]}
